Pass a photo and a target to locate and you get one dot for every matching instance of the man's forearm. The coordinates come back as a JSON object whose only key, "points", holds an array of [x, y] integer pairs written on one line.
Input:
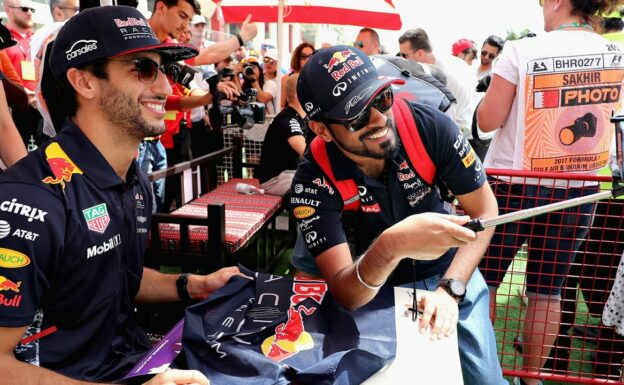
{"points": [[374, 268], [468, 257], [217, 51], [157, 287]]}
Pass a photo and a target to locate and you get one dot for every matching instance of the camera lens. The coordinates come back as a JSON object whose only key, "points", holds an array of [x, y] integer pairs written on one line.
{"points": [[249, 71]]}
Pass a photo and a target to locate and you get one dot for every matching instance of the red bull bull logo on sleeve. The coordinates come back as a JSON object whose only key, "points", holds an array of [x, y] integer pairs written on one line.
{"points": [[62, 167], [6, 284]]}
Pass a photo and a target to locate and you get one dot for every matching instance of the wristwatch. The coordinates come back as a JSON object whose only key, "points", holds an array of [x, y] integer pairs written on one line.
{"points": [[455, 287], [181, 283]]}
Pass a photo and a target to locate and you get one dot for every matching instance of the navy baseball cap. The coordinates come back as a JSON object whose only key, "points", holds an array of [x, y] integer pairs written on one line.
{"points": [[106, 32], [338, 83]]}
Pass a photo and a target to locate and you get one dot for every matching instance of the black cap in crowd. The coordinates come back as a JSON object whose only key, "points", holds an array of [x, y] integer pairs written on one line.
{"points": [[106, 32], [338, 83]]}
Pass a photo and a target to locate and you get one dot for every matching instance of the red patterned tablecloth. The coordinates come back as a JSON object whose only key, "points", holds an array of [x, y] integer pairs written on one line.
{"points": [[244, 216]]}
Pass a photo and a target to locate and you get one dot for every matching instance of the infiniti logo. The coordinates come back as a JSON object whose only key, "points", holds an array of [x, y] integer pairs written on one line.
{"points": [[311, 236], [339, 88], [309, 106]]}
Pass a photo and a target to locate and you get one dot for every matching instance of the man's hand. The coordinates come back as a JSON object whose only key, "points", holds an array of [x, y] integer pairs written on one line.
{"points": [[201, 286], [175, 377], [440, 310], [248, 30], [228, 89], [426, 236]]}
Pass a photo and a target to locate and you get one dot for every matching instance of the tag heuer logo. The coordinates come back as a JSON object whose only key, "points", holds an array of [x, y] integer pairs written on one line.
{"points": [[97, 218]]}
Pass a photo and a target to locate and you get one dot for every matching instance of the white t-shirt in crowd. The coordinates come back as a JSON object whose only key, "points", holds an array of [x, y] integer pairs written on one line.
{"points": [[559, 119], [271, 87]]}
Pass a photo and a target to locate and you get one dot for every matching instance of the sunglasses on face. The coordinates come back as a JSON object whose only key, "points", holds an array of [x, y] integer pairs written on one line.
{"points": [[25, 9], [358, 44], [147, 69], [490, 55], [305, 56], [382, 103], [403, 55], [268, 61]]}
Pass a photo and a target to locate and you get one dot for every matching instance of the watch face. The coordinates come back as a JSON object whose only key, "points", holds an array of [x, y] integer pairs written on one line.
{"points": [[457, 287]]}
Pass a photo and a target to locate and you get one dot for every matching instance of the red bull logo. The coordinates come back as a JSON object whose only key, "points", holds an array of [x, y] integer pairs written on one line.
{"points": [[10, 302], [290, 336], [338, 58], [6, 284], [62, 167]]}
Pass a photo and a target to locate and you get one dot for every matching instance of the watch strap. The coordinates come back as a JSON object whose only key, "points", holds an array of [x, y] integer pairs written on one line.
{"points": [[181, 285]]}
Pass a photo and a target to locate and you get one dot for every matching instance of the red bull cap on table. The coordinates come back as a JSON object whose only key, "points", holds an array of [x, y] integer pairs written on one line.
{"points": [[338, 83]]}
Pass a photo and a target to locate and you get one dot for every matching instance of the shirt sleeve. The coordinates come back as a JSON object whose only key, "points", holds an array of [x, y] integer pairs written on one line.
{"points": [[32, 224], [317, 207], [507, 64]]}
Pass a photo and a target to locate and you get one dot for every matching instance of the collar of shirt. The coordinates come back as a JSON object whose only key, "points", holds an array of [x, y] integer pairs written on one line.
{"points": [[18, 36], [89, 159]]}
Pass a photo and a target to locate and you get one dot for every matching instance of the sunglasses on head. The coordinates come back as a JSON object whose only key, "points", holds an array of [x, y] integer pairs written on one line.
{"points": [[490, 55], [358, 44], [382, 103], [24, 9], [147, 69]]}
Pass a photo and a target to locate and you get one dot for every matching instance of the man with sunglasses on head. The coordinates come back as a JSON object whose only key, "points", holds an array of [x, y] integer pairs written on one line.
{"points": [[492, 47], [401, 217], [75, 213]]}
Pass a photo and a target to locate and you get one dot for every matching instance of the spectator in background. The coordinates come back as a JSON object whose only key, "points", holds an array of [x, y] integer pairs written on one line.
{"points": [[284, 144], [299, 57], [11, 146], [492, 47], [465, 49], [534, 132], [460, 79], [269, 61], [20, 24], [253, 77], [62, 10], [367, 41]]}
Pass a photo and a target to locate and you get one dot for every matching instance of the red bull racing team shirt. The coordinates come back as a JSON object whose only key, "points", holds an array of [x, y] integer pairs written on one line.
{"points": [[72, 238], [317, 204]]}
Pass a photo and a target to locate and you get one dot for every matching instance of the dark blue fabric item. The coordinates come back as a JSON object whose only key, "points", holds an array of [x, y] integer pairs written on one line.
{"points": [[319, 343]]}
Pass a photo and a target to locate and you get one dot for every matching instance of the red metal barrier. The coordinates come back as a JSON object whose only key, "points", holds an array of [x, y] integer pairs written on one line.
{"points": [[572, 357]]}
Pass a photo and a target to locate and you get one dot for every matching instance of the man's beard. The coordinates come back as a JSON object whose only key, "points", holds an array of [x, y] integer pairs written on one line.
{"points": [[387, 148], [124, 112]]}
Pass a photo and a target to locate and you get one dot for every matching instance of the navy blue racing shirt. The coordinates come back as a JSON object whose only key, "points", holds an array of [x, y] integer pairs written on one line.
{"points": [[317, 204], [72, 238]]}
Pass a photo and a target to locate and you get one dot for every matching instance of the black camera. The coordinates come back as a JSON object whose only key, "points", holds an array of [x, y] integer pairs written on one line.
{"points": [[248, 71], [243, 113], [181, 73]]}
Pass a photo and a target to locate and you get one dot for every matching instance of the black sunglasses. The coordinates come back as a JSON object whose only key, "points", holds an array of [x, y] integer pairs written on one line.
{"points": [[147, 69], [24, 9], [358, 44], [490, 55], [305, 56], [403, 55], [382, 103]]}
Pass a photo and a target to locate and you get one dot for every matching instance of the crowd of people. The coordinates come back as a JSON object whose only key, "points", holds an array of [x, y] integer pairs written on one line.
{"points": [[104, 96]]}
